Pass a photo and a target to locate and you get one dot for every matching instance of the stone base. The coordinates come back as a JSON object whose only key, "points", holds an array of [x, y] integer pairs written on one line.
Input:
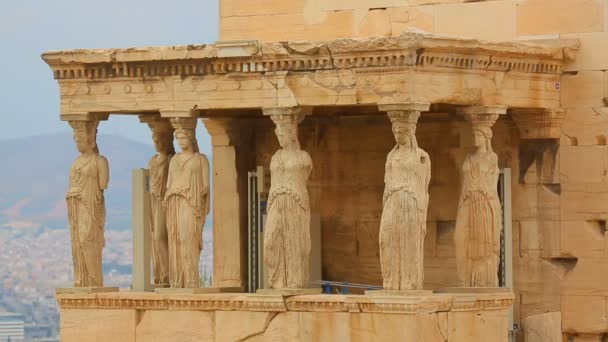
{"points": [[221, 317], [467, 290], [398, 293], [198, 290], [84, 290], [289, 292]]}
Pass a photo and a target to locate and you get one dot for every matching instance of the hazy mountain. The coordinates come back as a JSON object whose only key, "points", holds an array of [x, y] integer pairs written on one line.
{"points": [[34, 176]]}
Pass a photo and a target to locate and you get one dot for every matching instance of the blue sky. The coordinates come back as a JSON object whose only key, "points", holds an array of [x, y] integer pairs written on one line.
{"points": [[28, 93]]}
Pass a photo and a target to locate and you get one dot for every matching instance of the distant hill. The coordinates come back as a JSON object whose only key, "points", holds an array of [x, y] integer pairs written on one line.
{"points": [[34, 177]]}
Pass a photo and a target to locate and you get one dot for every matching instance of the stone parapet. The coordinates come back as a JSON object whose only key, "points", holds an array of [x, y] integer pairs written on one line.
{"points": [[130, 316]]}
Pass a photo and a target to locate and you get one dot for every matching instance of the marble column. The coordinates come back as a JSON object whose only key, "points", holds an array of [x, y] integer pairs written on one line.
{"points": [[162, 136], [405, 201], [233, 157], [479, 217], [187, 202], [287, 241]]}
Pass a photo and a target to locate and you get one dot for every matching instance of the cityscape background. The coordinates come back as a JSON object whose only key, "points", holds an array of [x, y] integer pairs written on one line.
{"points": [[37, 148]]}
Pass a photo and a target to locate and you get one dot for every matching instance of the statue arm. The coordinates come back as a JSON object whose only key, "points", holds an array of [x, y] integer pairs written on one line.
{"points": [[308, 165], [205, 182], [427, 180], [169, 178], [497, 212], [103, 171], [386, 176]]}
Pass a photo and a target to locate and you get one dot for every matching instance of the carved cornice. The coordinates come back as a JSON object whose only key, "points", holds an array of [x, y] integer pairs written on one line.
{"points": [[538, 123], [409, 49], [305, 303]]}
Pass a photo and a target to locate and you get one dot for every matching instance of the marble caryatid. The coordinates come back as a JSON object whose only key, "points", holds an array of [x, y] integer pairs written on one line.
{"points": [[89, 178], [162, 135], [405, 202], [479, 218], [287, 228], [187, 205]]}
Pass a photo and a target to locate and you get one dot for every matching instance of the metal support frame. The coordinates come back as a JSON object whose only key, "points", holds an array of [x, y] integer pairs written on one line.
{"points": [[142, 262], [506, 256]]}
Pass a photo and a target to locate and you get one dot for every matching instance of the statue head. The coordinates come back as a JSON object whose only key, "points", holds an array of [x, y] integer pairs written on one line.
{"points": [[287, 129], [404, 127], [162, 136], [482, 136], [185, 133], [481, 128], [85, 135], [186, 138]]}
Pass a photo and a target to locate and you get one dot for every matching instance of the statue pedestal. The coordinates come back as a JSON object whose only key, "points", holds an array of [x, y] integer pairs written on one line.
{"points": [[198, 290], [84, 290], [465, 290], [398, 293], [144, 316], [289, 292]]}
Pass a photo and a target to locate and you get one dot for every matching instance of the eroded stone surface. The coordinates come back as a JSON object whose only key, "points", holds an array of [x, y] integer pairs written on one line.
{"points": [[241, 317], [543, 327]]}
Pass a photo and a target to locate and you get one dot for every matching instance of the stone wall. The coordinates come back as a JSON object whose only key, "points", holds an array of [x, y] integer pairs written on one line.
{"points": [[130, 317], [485, 19], [347, 182], [559, 228]]}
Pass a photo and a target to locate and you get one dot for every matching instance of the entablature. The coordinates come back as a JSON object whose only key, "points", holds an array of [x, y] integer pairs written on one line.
{"points": [[366, 71]]}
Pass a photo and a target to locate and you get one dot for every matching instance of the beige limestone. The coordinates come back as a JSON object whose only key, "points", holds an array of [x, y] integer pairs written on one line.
{"points": [[286, 292], [397, 293], [592, 54], [98, 325], [479, 219], [201, 290], [469, 290], [583, 239], [73, 290], [287, 227], [446, 71], [89, 177], [230, 166], [135, 316], [162, 136], [545, 327], [470, 326], [405, 202], [420, 17], [490, 20], [559, 16], [187, 200], [348, 141], [583, 277], [173, 325], [584, 314]]}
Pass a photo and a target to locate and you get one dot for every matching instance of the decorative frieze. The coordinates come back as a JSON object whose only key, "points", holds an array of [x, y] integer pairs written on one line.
{"points": [[538, 123], [304, 303], [409, 49]]}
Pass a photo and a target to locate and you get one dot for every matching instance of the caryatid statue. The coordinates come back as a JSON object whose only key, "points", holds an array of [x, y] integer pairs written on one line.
{"points": [[187, 205], [287, 228], [405, 202], [162, 135], [479, 218], [89, 178]]}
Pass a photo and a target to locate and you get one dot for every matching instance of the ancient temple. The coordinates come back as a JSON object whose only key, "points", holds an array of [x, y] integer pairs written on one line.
{"points": [[433, 162]]}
